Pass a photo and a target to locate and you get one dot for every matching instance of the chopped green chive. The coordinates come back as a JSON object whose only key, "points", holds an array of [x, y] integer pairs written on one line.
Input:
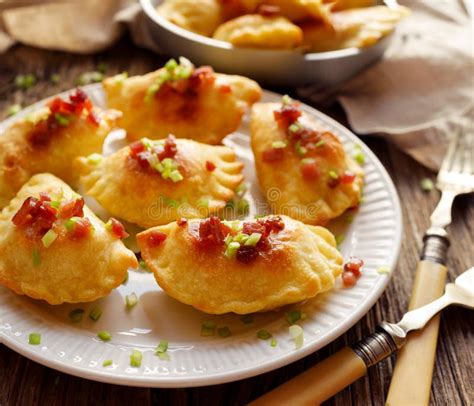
{"points": [[208, 328], [294, 128], [24, 82], [49, 238], [89, 77], [13, 109], [246, 318], [36, 257], [95, 314], [383, 270], [224, 331], [102, 67], [55, 78], [286, 99], [253, 240], [293, 316], [241, 189], [427, 185], [104, 335], [136, 359], [171, 65], [232, 249], [107, 363], [263, 334], [339, 239], [143, 265], [61, 119], [300, 150], [94, 158], [55, 204], [243, 206], [131, 300], [162, 346], [70, 223], [76, 315], [273, 343], [34, 339], [320, 143], [120, 78], [358, 155], [279, 144], [296, 333], [333, 174], [164, 356], [305, 161]]}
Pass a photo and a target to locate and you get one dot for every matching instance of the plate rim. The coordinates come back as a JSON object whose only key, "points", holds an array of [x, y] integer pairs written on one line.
{"points": [[215, 378]]}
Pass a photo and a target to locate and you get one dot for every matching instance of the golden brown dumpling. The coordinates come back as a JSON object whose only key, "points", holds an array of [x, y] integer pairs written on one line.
{"points": [[294, 10], [346, 4], [257, 31], [181, 100], [358, 27], [302, 169], [155, 182], [54, 248], [241, 267], [201, 17], [49, 139]]}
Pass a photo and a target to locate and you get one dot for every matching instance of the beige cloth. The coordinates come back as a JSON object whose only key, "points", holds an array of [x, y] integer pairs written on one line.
{"points": [[420, 93]]}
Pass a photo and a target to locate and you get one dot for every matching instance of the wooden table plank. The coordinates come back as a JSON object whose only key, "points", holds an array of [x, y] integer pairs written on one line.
{"points": [[23, 382]]}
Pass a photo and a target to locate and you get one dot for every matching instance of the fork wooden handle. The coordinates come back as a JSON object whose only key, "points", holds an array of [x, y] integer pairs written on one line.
{"points": [[412, 376]]}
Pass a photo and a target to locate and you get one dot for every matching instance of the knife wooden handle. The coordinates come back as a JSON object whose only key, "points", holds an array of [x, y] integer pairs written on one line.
{"points": [[318, 383], [412, 376]]}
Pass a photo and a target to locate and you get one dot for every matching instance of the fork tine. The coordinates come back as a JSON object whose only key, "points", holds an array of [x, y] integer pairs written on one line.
{"points": [[449, 158]]}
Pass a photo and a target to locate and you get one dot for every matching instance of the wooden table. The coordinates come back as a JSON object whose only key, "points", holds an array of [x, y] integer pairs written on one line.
{"points": [[23, 382]]}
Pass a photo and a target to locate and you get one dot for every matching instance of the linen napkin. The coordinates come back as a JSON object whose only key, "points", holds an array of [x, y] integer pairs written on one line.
{"points": [[417, 96]]}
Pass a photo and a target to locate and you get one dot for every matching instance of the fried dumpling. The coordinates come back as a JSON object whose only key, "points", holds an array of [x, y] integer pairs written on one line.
{"points": [[242, 267], [358, 27], [257, 31], [181, 100], [54, 248], [302, 168], [294, 10], [155, 182], [49, 139], [346, 4], [201, 17]]}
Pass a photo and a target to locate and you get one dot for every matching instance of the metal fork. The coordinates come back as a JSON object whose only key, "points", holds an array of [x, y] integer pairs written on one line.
{"points": [[415, 361]]}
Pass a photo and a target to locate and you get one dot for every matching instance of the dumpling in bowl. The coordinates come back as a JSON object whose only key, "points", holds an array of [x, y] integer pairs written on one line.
{"points": [[242, 267], [358, 27], [181, 100], [257, 31], [54, 248], [302, 168], [155, 182], [49, 139], [201, 17], [294, 10]]}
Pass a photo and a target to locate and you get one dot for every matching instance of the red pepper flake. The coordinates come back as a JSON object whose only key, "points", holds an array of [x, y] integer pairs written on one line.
{"points": [[347, 177], [273, 154], [352, 271], [310, 171], [225, 89], [210, 166], [155, 238], [72, 208], [182, 221], [81, 229], [118, 229]]}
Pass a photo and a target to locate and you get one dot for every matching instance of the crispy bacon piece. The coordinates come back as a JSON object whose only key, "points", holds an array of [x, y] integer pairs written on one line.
{"points": [[212, 231]]}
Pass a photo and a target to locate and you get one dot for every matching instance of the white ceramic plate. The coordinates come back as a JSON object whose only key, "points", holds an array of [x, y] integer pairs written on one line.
{"points": [[374, 235]]}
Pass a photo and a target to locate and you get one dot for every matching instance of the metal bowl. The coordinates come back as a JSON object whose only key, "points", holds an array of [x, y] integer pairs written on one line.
{"points": [[271, 67]]}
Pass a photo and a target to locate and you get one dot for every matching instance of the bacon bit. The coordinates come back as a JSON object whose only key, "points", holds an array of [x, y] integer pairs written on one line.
{"points": [[169, 149], [136, 147], [155, 238], [225, 89], [253, 227], [210, 166], [93, 118], [268, 10], [72, 208], [118, 229], [354, 265], [310, 171], [273, 154], [35, 216], [349, 279], [347, 177], [81, 229], [201, 77], [212, 231], [334, 182], [246, 254], [287, 115], [182, 221], [273, 224], [44, 197]]}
